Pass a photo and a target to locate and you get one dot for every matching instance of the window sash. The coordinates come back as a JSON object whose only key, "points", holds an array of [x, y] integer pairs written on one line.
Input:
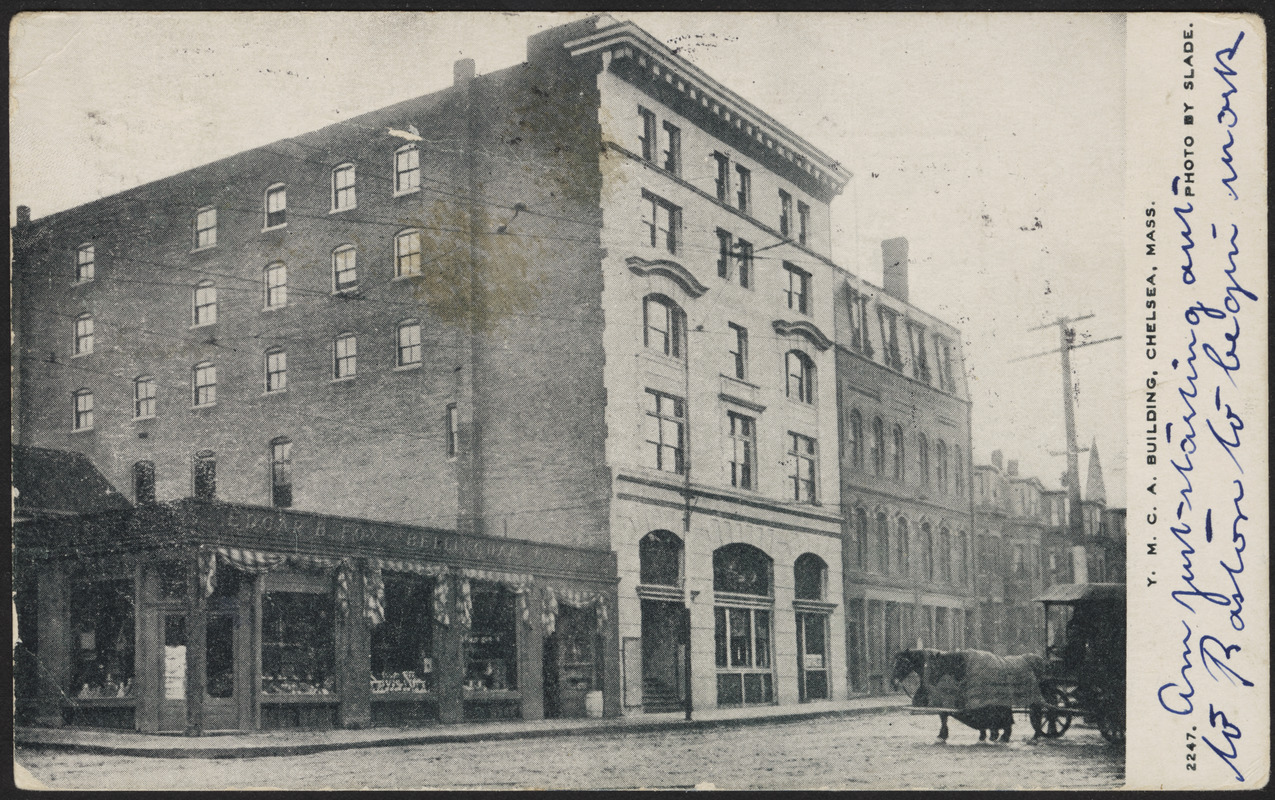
{"points": [[409, 343], [84, 336], [276, 371], [205, 385], [407, 254], [205, 305], [83, 410], [84, 263], [343, 188], [144, 398], [739, 353], [672, 155], [407, 170], [723, 176], [276, 286], [801, 451], [345, 356], [276, 207], [785, 213], [723, 253], [648, 134], [453, 430], [206, 228], [745, 262], [743, 451], [803, 222], [344, 269], [745, 180], [664, 432], [798, 290]]}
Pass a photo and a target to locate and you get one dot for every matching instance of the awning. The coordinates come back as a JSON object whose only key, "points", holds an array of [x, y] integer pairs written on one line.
{"points": [[1082, 592]]}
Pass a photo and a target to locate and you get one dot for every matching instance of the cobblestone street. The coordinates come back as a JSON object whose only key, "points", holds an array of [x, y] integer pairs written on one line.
{"points": [[890, 750]]}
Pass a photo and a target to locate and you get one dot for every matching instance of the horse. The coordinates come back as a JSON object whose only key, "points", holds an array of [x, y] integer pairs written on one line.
{"points": [[981, 685]]}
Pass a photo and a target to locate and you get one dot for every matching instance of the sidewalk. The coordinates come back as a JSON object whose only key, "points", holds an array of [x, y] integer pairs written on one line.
{"points": [[257, 744]]}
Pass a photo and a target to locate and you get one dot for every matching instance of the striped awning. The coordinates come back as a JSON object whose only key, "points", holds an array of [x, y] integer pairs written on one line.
{"points": [[552, 597]]}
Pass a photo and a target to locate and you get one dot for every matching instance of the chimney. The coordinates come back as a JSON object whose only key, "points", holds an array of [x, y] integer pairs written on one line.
{"points": [[996, 459], [463, 71], [894, 263], [1012, 468], [24, 215]]}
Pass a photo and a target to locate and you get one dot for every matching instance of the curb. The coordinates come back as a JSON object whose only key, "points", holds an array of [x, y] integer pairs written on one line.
{"points": [[264, 751]]}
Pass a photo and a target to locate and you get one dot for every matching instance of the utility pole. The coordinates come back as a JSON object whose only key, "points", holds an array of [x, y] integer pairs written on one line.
{"points": [[1067, 343]]}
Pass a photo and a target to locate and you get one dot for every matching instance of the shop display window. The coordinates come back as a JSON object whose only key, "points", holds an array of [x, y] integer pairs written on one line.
{"points": [[298, 643], [491, 644], [102, 618], [403, 644]]}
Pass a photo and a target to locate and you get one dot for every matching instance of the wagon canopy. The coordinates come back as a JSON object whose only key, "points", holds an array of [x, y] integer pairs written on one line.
{"points": [[972, 679]]}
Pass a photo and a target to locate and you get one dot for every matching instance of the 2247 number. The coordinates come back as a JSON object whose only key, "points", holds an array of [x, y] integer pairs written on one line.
{"points": [[1190, 756]]}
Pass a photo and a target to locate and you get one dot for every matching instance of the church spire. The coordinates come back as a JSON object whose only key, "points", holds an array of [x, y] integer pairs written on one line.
{"points": [[1095, 491]]}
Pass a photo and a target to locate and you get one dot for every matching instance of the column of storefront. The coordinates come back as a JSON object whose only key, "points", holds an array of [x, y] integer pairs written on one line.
{"points": [[55, 638]]}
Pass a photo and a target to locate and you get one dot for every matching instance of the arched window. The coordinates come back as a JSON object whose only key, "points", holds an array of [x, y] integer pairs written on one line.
{"points": [[962, 558], [276, 368], [878, 446], [800, 376], [84, 334], [143, 397], [854, 438], [144, 482], [859, 547], [407, 169], [205, 474], [902, 548], [664, 325], [899, 454], [276, 285], [742, 569], [923, 458], [407, 253], [810, 577], [945, 555], [83, 410], [883, 544], [958, 469], [927, 552], [276, 205], [204, 383], [343, 187], [345, 352], [407, 343], [345, 274], [281, 472], [940, 467], [660, 559], [205, 303]]}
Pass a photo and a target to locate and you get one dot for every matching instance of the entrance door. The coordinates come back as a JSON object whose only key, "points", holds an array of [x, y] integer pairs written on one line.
{"points": [[570, 663], [812, 656], [172, 672], [663, 656], [220, 708]]}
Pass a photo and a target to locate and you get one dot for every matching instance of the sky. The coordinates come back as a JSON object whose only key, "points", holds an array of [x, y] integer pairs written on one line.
{"points": [[993, 142]]}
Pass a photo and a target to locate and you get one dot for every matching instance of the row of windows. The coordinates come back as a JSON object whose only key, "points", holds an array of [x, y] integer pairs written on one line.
{"points": [[664, 449], [919, 344], [662, 146], [948, 472], [877, 548]]}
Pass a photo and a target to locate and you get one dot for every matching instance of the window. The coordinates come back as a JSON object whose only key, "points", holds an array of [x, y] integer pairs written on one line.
{"points": [[298, 643], [403, 644], [281, 472], [890, 337], [927, 552], [859, 547], [276, 281], [84, 334], [744, 179], [725, 245], [407, 253], [205, 303], [453, 430], [962, 558], [345, 274], [923, 458], [785, 214], [943, 354], [663, 324], [958, 469], [859, 339], [276, 370], [407, 169], [742, 633], [883, 544], [743, 436], [660, 559], [144, 482], [854, 438], [798, 291], [739, 353], [408, 343], [83, 410], [663, 222], [84, 267], [945, 555], [205, 384], [143, 397], [801, 452], [878, 446], [102, 657], [276, 206], [672, 155], [345, 355], [800, 377], [205, 228], [491, 643], [663, 432], [940, 465], [901, 547], [899, 454], [205, 474], [723, 176], [648, 133], [810, 577], [916, 347], [803, 223], [744, 254], [343, 188]]}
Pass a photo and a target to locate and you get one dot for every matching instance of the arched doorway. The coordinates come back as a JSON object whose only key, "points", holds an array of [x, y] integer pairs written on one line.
{"points": [[663, 678]]}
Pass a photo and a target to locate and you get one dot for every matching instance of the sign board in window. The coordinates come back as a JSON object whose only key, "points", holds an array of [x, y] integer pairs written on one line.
{"points": [[175, 672]]}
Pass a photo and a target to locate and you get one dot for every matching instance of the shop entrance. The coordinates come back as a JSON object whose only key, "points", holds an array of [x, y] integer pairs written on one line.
{"points": [[663, 656], [571, 663], [172, 672]]}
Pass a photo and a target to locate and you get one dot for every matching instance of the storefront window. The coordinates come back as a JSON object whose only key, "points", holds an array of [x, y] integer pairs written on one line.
{"points": [[403, 645], [491, 644], [102, 618], [742, 629], [297, 643]]}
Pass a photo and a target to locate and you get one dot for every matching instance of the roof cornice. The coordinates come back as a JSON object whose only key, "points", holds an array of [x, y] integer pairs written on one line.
{"points": [[626, 40]]}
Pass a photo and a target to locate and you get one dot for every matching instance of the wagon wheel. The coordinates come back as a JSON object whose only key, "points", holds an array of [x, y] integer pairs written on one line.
{"points": [[1051, 722], [1112, 729]]}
